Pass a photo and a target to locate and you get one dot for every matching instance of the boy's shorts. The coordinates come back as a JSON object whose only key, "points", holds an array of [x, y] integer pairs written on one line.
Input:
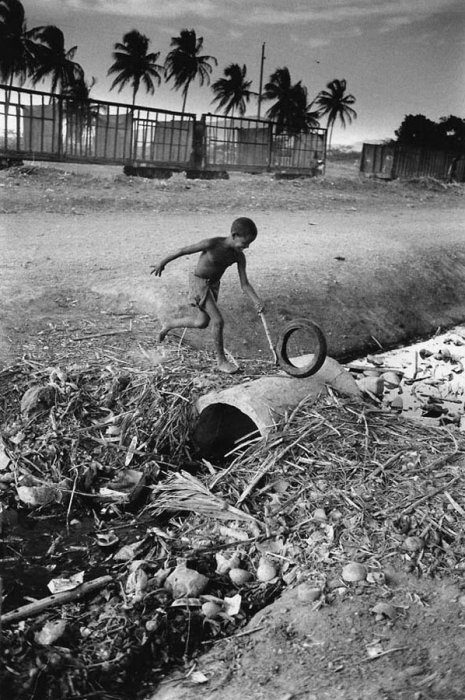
{"points": [[200, 288]]}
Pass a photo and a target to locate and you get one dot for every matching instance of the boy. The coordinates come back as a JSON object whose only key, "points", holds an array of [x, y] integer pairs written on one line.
{"points": [[216, 254]]}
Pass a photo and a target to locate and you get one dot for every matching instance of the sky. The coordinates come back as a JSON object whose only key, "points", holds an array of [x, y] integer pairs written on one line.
{"points": [[398, 57]]}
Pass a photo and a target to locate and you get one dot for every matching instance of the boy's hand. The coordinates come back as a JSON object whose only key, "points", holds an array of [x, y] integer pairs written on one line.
{"points": [[157, 269], [259, 307]]}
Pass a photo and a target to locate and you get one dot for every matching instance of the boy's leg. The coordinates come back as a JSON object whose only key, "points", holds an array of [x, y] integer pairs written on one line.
{"points": [[217, 327], [200, 320]]}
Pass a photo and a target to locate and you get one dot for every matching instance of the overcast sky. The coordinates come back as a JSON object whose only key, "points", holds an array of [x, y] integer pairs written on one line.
{"points": [[398, 56]]}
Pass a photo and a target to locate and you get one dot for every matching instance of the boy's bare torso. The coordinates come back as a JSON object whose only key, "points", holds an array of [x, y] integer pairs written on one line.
{"points": [[216, 259]]}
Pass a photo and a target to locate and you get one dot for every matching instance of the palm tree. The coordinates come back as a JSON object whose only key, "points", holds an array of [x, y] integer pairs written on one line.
{"points": [[53, 61], [16, 43], [291, 110], [184, 63], [80, 112], [134, 65], [334, 103], [232, 92]]}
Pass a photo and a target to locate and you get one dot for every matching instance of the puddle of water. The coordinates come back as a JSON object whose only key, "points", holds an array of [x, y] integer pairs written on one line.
{"points": [[432, 378]]}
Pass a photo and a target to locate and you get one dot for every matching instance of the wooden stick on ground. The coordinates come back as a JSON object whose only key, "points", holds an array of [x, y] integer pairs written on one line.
{"points": [[38, 606], [100, 335]]}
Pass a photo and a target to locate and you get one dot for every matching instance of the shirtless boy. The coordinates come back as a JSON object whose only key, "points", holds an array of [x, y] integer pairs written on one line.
{"points": [[216, 255]]}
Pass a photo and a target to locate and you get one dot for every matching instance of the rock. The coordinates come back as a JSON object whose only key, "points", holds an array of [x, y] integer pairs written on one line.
{"points": [[265, 570], [382, 610], [354, 572], [413, 544], [211, 610], [397, 403], [239, 576], [184, 582], [391, 379], [225, 564], [371, 385]]}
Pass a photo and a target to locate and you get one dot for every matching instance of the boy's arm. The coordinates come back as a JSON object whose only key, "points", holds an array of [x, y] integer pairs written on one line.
{"points": [[246, 286], [187, 250]]}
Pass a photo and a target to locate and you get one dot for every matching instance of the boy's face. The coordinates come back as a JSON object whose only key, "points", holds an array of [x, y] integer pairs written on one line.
{"points": [[241, 241]]}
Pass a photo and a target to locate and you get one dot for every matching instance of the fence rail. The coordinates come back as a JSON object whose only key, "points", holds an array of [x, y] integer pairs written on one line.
{"points": [[240, 143], [44, 126]]}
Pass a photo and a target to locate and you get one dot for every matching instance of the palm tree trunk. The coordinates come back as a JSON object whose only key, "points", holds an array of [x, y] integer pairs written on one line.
{"points": [[185, 99], [330, 128]]}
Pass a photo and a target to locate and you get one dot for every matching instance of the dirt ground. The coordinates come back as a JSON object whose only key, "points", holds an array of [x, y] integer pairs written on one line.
{"points": [[374, 263], [371, 262]]}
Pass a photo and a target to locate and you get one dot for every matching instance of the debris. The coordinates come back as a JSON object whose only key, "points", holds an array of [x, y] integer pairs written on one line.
{"points": [[36, 496], [38, 606], [383, 610], [36, 400], [58, 585], [413, 544], [239, 576], [265, 570], [354, 572], [211, 610], [185, 582], [50, 632]]}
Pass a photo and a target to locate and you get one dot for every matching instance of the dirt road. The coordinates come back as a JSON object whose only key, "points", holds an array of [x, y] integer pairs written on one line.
{"points": [[387, 274]]}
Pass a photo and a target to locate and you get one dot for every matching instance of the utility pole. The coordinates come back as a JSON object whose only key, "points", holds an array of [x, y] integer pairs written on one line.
{"points": [[261, 81]]}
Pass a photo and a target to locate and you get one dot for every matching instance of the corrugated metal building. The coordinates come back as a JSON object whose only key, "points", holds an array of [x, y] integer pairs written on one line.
{"points": [[391, 161]]}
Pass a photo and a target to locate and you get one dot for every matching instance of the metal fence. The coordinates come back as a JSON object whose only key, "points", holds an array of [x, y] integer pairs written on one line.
{"points": [[43, 126], [240, 143], [390, 161]]}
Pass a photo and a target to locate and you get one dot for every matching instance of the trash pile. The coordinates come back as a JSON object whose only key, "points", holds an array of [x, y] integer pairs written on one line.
{"points": [[424, 381], [176, 551]]}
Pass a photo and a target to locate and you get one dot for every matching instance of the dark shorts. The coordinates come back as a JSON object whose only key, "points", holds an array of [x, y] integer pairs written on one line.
{"points": [[200, 288]]}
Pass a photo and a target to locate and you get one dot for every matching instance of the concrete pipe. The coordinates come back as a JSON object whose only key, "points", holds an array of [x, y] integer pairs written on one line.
{"points": [[227, 417]]}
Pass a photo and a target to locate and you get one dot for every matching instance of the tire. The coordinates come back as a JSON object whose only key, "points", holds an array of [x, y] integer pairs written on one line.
{"points": [[318, 357]]}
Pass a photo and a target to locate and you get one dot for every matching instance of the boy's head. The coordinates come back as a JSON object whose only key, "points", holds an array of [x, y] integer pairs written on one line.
{"points": [[244, 231]]}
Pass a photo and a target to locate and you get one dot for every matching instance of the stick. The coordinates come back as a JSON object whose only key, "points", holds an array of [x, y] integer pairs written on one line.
{"points": [[58, 599], [268, 336], [383, 653], [422, 499], [358, 367], [100, 335]]}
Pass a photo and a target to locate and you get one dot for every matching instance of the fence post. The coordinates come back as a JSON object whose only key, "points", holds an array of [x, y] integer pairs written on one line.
{"points": [[198, 155], [270, 149], [60, 128]]}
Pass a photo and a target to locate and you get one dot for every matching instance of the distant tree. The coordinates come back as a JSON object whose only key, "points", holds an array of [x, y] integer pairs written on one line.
{"points": [[184, 63], [79, 90], [453, 132], [134, 65], [418, 130], [16, 43], [233, 91], [81, 113], [335, 104], [51, 60], [291, 110]]}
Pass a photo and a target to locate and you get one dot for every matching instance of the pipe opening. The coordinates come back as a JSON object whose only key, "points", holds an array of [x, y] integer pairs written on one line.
{"points": [[220, 428]]}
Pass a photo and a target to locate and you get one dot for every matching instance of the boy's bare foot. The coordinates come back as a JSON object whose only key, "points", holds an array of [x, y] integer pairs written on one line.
{"points": [[227, 367], [162, 335]]}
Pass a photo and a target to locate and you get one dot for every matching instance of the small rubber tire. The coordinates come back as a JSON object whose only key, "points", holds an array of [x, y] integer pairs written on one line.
{"points": [[318, 357]]}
